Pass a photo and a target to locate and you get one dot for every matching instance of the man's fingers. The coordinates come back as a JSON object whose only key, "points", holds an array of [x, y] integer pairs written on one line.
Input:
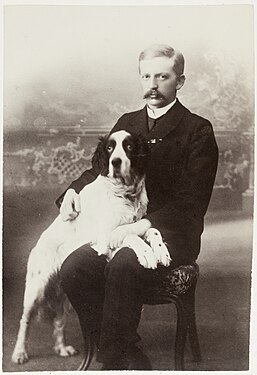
{"points": [[70, 206], [73, 215], [77, 203], [68, 216], [64, 214]]}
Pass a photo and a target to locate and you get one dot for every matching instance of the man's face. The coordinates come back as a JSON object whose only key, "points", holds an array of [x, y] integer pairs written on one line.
{"points": [[159, 81]]}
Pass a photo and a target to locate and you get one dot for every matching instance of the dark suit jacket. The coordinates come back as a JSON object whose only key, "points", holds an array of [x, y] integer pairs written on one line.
{"points": [[180, 175]]}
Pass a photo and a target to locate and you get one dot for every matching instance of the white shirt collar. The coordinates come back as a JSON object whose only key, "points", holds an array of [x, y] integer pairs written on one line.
{"points": [[158, 112]]}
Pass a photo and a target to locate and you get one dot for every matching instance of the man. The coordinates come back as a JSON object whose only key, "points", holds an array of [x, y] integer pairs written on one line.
{"points": [[182, 166]]}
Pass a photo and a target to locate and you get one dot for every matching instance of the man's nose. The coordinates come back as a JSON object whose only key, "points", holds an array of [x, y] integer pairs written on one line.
{"points": [[153, 83]]}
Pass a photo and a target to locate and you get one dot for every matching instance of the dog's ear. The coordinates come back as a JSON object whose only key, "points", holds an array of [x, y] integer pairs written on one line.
{"points": [[139, 160], [100, 160], [142, 147]]}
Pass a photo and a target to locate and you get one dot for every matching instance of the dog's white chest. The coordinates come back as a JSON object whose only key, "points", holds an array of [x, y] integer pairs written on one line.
{"points": [[101, 212]]}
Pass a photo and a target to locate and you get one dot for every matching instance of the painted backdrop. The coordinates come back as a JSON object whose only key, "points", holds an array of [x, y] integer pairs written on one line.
{"points": [[71, 71]]}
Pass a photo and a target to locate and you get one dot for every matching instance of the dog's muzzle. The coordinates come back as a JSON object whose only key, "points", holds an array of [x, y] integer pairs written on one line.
{"points": [[116, 163]]}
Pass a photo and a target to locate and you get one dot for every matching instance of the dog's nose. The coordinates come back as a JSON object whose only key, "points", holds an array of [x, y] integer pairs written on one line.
{"points": [[116, 162]]}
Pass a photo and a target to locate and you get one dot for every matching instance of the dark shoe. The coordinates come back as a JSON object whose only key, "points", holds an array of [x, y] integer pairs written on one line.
{"points": [[120, 364], [138, 360]]}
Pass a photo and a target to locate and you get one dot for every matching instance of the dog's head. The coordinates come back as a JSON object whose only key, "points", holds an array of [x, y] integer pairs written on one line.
{"points": [[122, 156]]}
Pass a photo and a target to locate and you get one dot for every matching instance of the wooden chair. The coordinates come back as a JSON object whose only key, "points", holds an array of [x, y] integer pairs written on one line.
{"points": [[178, 287]]}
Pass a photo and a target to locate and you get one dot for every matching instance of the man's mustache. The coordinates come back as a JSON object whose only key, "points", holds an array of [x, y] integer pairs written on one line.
{"points": [[148, 93]]}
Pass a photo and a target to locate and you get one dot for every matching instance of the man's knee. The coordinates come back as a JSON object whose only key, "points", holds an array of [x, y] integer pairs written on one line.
{"points": [[72, 265], [82, 267], [68, 272], [125, 260]]}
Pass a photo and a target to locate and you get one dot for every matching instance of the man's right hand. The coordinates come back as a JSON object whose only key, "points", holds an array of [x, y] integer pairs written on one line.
{"points": [[70, 206]]}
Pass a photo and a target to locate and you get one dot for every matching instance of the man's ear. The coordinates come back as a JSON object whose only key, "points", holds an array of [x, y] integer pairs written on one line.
{"points": [[180, 81]]}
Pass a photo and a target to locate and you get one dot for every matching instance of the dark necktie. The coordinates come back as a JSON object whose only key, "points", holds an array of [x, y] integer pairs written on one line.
{"points": [[151, 123]]}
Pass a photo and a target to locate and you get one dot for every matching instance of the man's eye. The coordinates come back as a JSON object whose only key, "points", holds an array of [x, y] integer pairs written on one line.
{"points": [[145, 77], [109, 148], [163, 76]]}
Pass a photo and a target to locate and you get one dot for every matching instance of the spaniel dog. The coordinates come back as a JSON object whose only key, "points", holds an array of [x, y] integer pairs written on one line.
{"points": [[116, 199]]}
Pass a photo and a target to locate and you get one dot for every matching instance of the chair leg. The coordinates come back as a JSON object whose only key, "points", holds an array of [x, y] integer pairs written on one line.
{"points": [[89, 352], [181, 334], [189, 304], [193, 335], [194, 341]]}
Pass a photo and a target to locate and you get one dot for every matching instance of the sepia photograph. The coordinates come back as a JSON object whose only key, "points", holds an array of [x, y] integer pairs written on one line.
{"points": [[128, 187]]}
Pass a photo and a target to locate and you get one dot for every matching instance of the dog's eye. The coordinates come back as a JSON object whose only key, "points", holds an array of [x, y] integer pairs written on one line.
{"points": [[129, 147], [109, 148]]}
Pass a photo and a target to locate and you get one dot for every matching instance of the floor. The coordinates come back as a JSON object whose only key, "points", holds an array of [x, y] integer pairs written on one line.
{"points": [[222, 297]]}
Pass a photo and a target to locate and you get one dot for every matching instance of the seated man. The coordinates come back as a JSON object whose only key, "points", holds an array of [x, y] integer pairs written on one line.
{"points": [[108, 296]]}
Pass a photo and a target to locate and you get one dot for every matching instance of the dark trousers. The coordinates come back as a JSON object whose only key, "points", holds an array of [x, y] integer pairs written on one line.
{"points": [[107, 297]]}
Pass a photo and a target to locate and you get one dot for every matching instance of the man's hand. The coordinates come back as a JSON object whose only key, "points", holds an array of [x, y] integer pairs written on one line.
{"points": [[70, 207]]}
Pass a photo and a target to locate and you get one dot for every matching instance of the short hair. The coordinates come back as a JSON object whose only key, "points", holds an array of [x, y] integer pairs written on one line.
{"points": [[159, 50]]}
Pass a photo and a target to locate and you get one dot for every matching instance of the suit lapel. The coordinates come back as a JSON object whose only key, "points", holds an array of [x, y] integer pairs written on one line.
{"points": [[168, 122], [165, 125], [139, 123]]}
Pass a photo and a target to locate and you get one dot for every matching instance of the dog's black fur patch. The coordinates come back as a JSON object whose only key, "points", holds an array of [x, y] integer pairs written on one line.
{"points": [[138, 155], [100, 158]]}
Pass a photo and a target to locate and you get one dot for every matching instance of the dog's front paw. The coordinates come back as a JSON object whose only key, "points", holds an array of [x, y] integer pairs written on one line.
{"points": [[144, 253], [162, 254], [65, 350], [154, 238], [20, 356], [146, 257]]}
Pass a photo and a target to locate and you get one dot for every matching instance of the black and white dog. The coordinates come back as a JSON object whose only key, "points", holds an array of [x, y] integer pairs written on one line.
{"points": [[116, 198]]}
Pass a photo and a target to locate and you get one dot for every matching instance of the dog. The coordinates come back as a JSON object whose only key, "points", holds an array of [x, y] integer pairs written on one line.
{"points": [[116, 199]]}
